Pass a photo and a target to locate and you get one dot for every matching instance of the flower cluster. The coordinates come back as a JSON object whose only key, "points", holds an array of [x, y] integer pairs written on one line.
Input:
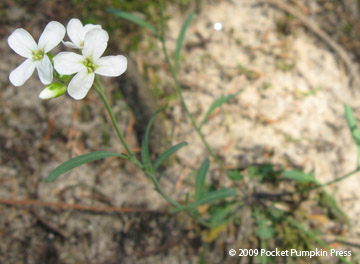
{"points": [[76, 72]]}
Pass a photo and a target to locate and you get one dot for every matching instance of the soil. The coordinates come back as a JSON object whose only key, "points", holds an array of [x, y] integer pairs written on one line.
{"points": [[289, 112]]}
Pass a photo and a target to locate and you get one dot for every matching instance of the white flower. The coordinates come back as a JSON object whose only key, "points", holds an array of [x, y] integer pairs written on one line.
{"points": [[76, 32], [86, 65], [24, 45]]}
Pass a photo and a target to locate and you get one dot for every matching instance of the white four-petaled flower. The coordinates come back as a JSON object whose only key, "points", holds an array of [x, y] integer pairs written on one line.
{"points": [[24, 45], [88, 64], [76, 32]]}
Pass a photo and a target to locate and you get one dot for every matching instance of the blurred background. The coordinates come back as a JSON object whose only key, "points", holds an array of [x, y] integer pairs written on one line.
{"points": [[296, 63]]}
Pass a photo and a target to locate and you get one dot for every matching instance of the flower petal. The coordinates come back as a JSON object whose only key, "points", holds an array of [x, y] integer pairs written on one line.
{"points": [[45, 70], [22, 43], [111, 65], [80, 85], [53, 34], [89, 27], [95, 43], [70, 45], [22, 73], [75, 31], [68, 63]]}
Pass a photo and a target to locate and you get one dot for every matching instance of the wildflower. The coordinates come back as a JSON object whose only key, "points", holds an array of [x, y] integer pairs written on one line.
{"points": [[76, 32], [24, 45], [88, 64]]}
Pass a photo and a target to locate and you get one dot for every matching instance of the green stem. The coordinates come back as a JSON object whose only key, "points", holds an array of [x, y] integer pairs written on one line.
{"points": [[133, 159], [175, 203], [100, 90], [329, 182], [178, 90]]}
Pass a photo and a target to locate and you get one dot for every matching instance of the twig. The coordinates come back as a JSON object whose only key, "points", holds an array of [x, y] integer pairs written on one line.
{"points": [[352, 68], [49, 226], [79, 207]]}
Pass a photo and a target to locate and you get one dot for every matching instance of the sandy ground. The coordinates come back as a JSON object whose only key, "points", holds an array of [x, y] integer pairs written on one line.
{"points": [[290, 112]]}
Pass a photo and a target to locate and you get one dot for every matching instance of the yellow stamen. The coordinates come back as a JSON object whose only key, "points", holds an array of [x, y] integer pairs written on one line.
{"points": [[89, 65], [38, 55]]}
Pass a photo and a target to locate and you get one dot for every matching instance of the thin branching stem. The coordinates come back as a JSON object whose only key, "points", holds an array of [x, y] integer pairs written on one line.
{"points": [[100, 90], [329, 182], [174, 203], [179, 92], [133, 159]]}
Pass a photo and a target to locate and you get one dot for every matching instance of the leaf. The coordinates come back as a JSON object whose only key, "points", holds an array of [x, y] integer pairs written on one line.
{"points": [[200, 178], [299, 176], [187, 199], [167, 153], [219, 215], [178, 209], [334, 211], [209, 197], [265, 232], [235, 175], [181, 39], [214, 196], [219, 102], [202, 259], [145, 155], [132, 18], [80, 160], [352, 124], [209, 235], [264, 225]]}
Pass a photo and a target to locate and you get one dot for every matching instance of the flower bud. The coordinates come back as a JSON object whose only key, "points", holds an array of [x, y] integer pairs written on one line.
{"points": [[53, 90]]}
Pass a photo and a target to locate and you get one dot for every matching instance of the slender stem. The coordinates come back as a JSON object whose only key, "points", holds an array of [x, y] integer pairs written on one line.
{"points": [[101, 92], [330, 182], [178, 90], [133, 159], [175, 203]]}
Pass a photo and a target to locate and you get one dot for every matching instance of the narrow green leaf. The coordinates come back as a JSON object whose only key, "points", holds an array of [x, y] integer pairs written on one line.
{"points": [[178, 209], [264, 231], [202, 259], [299, 176], [187, 199], [264, 228], [214, 196], [200, 178], [209, 197], [132, 18], [145, 155], [352, 124], [220, 214], [235, 175], [219, 102], [181, 39], [80, 160], [167, 153]]}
